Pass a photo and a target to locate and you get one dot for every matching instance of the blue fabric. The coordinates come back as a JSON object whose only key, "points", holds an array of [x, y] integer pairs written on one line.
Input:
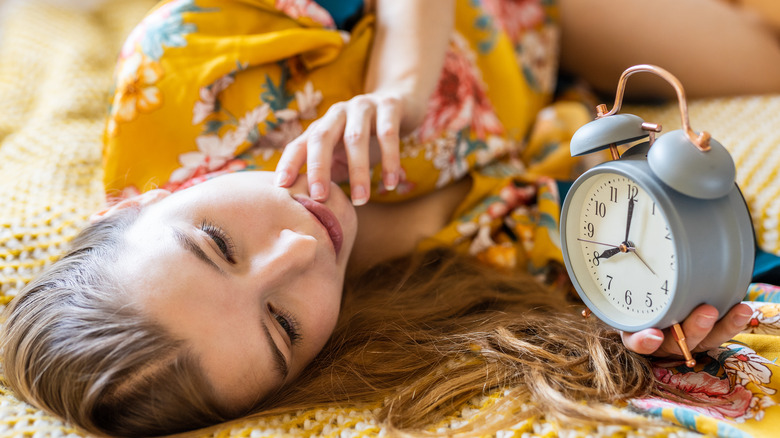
{"points": [[767, 269], [344, 12]]}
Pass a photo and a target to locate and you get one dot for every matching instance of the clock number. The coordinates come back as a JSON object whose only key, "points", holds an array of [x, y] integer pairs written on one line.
{"points": [[613, 194], [648, 300], [591, 229], [668, 234], [609, 283], [628, 297], [633, 191], [665, 287], [601, 208], [595, 258]]}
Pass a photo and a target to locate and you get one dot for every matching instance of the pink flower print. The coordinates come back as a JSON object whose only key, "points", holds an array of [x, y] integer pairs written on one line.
{"points": [[202, 174], [721, 399], [208, 98], [288, 128], [306, 8], [460, 100], [308, 99], [515, 16]]}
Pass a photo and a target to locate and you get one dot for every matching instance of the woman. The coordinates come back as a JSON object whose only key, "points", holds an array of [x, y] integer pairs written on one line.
{"points": [[224, 298]]}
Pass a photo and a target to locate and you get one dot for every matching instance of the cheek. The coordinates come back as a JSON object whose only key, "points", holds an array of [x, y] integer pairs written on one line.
{"points": [[323, 312]]}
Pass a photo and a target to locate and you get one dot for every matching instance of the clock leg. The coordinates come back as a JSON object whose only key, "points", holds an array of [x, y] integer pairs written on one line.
{"points": [[679, 336]]}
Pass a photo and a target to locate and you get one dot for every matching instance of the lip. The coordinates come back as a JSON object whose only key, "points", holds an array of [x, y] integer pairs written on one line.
{"points": [[325, 217]]}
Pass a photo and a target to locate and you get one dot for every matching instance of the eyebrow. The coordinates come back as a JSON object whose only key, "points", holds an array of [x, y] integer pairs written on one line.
{"points": [[188, 243], [279, 360]]}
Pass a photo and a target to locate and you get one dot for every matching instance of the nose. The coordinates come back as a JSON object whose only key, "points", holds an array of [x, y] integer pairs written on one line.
{"points": [[290, 254]]}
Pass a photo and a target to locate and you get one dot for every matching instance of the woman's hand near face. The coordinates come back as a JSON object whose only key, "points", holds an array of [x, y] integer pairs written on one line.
{"points": [[703, 331], [345, 144], [407, 56]]}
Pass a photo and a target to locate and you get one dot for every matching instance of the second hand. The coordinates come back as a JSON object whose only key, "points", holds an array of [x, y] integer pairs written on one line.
{"points": [[598, 243]]}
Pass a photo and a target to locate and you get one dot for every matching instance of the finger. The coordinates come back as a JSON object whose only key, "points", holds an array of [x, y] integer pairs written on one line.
{"points": [[320, 144], [356, 139], [388, 128], [292, 160], [729, 326], [644, 341], [696, 327]]}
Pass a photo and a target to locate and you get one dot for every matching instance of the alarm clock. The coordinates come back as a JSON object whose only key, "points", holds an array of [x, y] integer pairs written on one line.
{"points": [[657, 231]]}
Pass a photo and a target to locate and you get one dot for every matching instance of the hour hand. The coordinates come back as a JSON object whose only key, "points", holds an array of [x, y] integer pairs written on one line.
{"points": [[608, 253]]}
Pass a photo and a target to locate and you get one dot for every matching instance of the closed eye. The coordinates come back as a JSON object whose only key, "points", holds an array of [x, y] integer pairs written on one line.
{"points": [[287, 323], [221, 239]]}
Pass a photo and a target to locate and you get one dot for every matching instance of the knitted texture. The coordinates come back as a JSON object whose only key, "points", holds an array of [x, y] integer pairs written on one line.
{"points": [[55, 80], [747, 127]]}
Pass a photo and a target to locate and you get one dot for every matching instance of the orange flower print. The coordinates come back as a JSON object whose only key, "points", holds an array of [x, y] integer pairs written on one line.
{"points": [[136, 91]]}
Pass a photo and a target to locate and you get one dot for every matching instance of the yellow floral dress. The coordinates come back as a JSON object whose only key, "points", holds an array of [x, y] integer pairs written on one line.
{"points": [[206, 87]]}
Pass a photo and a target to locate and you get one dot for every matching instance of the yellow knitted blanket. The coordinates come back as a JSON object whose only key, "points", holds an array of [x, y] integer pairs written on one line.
{"points": [[55, 80]]}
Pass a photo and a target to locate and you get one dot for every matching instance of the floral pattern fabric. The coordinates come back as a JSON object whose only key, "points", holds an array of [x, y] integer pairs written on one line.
{"points": [[206, 87]]}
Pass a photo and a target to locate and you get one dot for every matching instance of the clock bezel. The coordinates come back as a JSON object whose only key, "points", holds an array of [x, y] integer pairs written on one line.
{"points": [[694, 224]]}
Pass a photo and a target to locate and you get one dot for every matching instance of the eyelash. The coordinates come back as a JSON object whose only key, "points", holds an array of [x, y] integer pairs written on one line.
{"points": [[223, 241], [288, 324]]}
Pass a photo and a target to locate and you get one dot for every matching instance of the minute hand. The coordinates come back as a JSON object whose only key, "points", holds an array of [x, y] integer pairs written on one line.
{"points": [[628, 219]]}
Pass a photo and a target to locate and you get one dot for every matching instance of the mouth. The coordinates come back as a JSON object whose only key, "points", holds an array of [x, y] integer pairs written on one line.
{"points": [[325, 217]]}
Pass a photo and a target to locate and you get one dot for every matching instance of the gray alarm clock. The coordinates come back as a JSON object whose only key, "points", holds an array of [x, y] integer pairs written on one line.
{"points": [[652, 234]]}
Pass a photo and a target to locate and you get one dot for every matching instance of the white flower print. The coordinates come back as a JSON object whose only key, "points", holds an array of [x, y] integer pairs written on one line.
{"points": [[445, 156], [758, 405], [214, 151], [745, 366], [212, 154], [307, 100], [208, 98]]}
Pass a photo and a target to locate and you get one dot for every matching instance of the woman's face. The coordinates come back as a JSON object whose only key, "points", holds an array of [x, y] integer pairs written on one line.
{"points": [[248, 273]]}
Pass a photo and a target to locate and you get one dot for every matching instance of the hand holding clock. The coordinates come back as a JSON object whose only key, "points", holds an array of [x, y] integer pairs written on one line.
{"points": [[702, 332]]}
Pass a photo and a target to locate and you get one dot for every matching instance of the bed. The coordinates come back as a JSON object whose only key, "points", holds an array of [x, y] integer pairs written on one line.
{"points": [[55, 82]]}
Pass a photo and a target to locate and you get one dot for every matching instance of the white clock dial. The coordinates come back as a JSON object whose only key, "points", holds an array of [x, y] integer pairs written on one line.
{"points": [[624, 246]]}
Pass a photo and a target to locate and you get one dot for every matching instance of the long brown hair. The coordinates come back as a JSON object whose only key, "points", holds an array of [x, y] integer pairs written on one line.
{"points": [[427, 333], [422, 334], [72, 346]]}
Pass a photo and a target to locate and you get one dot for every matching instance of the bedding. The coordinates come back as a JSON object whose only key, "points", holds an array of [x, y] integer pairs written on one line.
{"points": [[55, 86]]}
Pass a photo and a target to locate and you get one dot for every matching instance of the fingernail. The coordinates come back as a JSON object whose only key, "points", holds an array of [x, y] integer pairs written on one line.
{"points": [[742, 317], [359, 195], [317, 191], [281, 177], [652, 342], [391, 180], [706, 321]]}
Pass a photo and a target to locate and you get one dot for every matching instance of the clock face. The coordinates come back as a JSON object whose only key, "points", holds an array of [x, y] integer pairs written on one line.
{"points": [[621, 248]]}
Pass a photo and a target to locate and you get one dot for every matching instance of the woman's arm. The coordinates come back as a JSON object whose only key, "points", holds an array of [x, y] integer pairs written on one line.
{"points": [[408, 53], [404, 67], [714, 48]]}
